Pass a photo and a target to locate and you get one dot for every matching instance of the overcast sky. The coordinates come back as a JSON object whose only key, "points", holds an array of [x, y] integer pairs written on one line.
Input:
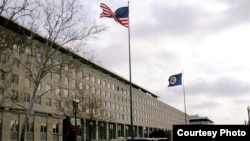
{"points": [[208, 40]]}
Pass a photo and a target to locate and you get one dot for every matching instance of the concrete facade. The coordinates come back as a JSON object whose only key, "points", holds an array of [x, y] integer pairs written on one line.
{"points": [[113, 92]]}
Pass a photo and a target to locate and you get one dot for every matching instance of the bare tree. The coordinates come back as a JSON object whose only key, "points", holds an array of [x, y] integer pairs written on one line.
{"points": [[14, 10], [95, 111], [78, 101], [62, 30]]}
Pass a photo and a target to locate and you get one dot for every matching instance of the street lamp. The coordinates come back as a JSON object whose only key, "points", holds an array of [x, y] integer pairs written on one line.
{"points": [[248, 112], [75, 105]]}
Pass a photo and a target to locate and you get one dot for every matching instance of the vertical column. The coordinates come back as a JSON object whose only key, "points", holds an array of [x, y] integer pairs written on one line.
{"points": [[84, 124], [96, 130], [107, 130], [37, 128], [60, 123], [20, 123], [6, 125], [115, 130], [49, 124], [1, 123], [136, 131]]}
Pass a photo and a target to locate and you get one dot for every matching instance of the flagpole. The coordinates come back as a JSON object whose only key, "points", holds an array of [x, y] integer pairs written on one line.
{"points": [[130, 80], [184, 99]]}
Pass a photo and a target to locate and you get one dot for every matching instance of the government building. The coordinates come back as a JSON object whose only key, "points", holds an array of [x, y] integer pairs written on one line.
{"points": [[47, 87]]}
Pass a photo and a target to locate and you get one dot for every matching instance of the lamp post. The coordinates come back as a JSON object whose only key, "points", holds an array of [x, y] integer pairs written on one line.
{"points": [[75, 105], [248, 113]]}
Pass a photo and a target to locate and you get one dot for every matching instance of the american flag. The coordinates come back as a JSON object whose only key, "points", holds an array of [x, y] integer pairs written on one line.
{"points": [[120, 15]]}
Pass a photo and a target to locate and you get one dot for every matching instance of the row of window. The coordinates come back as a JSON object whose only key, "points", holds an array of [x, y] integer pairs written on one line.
{"points": [[15, 79], [14, 130], [73, 83], [108, 104]]}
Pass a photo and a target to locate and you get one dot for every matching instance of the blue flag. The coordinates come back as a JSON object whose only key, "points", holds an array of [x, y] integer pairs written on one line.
{"points": [[175, 80]]}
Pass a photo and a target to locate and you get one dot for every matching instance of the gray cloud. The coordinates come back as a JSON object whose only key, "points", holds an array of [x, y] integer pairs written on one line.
{"points": [[225, 86], [187, 20], [168, 36]]}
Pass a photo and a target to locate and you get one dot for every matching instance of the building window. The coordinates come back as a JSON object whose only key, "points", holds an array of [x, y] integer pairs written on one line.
{"points": [[43, 132], [15, 78], [80, 85], [49, 61], [39, 57], [16, 47], [111, 131], [66, 80], [28, 65], [14, 95], [93, 89], [2, 75], [87, 76], [103, 93], [48, 101], [48, 88], [57, 91], [101, 131], [50, 75], [15, 63], [103, 83], [58, 77], [73, 72], [66, 68], [30, 131], [80, 74], [55, 132], [26, 97], [80, 97], [66, 93], [40, 86], [1, 93], [57, 65], [93, 79], [98, 81], [38, 100], [27, 51], [27, 82], [73, 83], [14, 127], [119, 130], [98, 91], [66, 105], [57, 104], [109, 95], [2, 58], [73, 95], [87, 110], [87, 88]]}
